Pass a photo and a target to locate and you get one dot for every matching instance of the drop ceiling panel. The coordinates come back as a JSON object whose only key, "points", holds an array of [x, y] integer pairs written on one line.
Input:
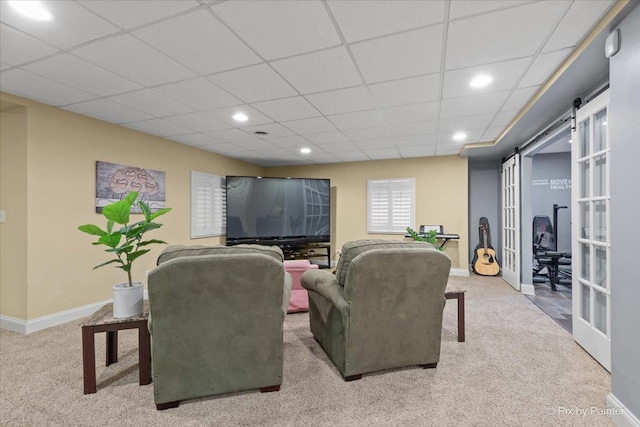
{"points": [[159, 127], [319, 71], [287, 109], [403, 55], [342, 101], [448, 152], [339, 147], [199, 42], [326, 138], [543, 67], [198, 122], [75, 72], [129, 57], [352, 156], [29, 85], [375, 144], [406, 91], [469, 105], [520, 97], [199, 94], [255, 117], [4, 66], [491, 133], [232, 135], [576, 23], [109, 111], [366, 19], [17, 48], [416, 140], [415, 128], [133, 13], [254, 84], [289, 141], [366, 134], [417, 151], [359, 120], [506, 34], [309, 126], [151, 102], [382, 154], [227, 149], [462, 8], [410, 113], [274, 130], [282, 28], [504, 117], [71, 24], [197, 140], [456, 124], [505, 74], [256, 144]]}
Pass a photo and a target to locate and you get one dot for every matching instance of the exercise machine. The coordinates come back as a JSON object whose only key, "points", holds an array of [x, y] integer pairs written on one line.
{"points": [[548, 263]]}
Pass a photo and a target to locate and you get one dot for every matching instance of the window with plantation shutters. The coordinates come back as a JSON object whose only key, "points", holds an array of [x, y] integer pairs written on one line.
{"points": [[391, 205], [208, 205]]}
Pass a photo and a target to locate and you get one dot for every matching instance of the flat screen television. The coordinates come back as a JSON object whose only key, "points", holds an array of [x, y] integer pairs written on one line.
{"points": [[277, 211]]}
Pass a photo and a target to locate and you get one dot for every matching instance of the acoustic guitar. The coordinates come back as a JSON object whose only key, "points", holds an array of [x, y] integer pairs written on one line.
{"points": [[486, 264]]}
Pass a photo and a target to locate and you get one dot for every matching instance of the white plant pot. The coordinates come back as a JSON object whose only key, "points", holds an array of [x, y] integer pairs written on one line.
{"points": [[127, 300]]}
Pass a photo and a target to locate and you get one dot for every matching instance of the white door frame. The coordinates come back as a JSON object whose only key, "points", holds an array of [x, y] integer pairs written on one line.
{"points": [[591, 247], [510, 172]]}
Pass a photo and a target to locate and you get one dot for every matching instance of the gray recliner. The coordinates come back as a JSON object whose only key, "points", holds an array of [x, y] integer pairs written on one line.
{"points": [[216, 317], [383, 307]]}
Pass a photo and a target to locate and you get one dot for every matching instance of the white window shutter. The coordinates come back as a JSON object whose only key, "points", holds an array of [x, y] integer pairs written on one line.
{"points": [[391, 205], [208, 205]]}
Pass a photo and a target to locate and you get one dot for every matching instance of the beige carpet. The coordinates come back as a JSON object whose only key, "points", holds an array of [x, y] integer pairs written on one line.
{"points": [[518, 367]]}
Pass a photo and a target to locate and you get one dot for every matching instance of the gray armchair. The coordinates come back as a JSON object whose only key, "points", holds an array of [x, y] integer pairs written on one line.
{"points": [[216, 317], [383, 307]]}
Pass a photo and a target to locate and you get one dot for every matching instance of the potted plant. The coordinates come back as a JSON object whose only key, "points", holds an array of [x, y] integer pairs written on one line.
{"points": [[429, 237], [127, 245]]}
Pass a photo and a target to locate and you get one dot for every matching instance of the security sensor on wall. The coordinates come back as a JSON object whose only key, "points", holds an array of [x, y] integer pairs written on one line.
{"points": [[612, 44]]}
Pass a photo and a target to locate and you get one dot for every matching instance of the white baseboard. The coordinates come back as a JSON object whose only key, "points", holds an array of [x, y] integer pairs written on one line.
{"points": [[459, 272], [28, 326], [621, 415], [527, 289]]}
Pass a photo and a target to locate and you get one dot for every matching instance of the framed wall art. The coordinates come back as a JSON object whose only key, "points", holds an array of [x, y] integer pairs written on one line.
{"points": [[114, 182]]}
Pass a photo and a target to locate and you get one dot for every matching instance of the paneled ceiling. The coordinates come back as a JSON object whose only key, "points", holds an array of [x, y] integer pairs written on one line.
{"points": [[349, 80]]}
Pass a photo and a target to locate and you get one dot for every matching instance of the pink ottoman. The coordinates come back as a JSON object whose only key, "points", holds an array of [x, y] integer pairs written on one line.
{"points": [[299, 300]]}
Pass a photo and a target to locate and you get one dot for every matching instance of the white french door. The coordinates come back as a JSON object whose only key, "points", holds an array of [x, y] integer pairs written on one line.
{"points": [[511, 221], [591, 247]]}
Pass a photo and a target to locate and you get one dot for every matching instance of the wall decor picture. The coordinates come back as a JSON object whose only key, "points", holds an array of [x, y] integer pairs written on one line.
{"points": [[114, 182]]}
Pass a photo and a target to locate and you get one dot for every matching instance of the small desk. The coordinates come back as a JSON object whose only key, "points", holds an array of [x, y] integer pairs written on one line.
{"points": [[458, 294], [103, 321]]}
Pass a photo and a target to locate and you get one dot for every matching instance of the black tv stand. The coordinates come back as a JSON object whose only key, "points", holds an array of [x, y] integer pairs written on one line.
{"points": [[306, 251]]}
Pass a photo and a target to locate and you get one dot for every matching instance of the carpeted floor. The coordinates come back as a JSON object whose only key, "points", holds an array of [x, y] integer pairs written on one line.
{"points": [[518, 368]]}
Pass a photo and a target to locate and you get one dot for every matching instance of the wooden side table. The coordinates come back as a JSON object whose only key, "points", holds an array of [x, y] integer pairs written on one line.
{"points": [[459, 295], [103, 321]]}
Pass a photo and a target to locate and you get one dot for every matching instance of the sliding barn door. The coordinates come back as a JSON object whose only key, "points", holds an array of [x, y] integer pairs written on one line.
{"points": [[511, 221], [590, 198]]}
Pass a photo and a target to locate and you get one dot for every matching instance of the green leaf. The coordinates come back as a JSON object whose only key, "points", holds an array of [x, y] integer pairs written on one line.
{"points": [[110, 240], [121, 249], [145, 210], [159, 212], [133, 255], [131, 197], [94, 230], [110, 226], [148, 242], [107, 263], [118, 211]]}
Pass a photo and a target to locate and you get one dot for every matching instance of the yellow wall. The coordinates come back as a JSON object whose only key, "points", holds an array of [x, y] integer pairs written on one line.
{"points": [[58, 162], [441, 196], [13, 200]]}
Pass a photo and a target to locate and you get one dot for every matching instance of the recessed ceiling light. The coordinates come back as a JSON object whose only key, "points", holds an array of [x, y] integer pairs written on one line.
{"points": [[459, 136], [32, 9], [305, 150], [481, 80], [240, 117]]}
